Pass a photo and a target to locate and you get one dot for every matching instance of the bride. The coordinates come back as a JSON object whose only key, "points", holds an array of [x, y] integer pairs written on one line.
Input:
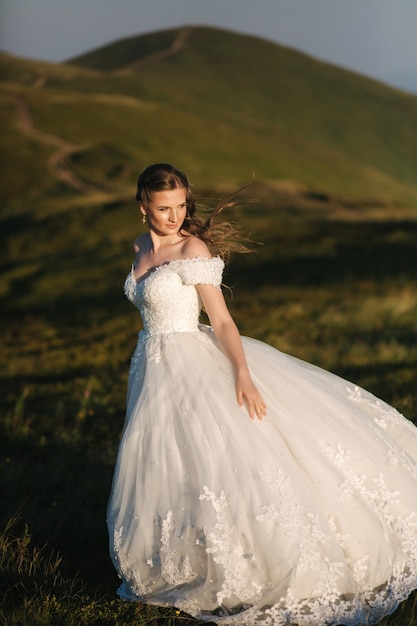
{"points": [[250, 488]]}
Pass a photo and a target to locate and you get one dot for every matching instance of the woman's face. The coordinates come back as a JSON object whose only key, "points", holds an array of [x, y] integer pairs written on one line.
{"points": [[166, 211]]}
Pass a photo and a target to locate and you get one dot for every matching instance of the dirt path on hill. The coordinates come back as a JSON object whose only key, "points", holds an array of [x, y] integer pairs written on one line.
{"points": [[175, 47], [64, 150]]}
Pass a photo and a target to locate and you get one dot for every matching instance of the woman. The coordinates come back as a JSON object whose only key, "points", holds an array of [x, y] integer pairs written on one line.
{"points": [[306, 513]]}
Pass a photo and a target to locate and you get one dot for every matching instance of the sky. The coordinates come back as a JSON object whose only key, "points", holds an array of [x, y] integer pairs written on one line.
{"points": [[376, 38]]}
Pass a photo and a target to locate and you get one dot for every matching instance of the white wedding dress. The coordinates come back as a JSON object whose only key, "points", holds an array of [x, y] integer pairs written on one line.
{"points": [[308, 517]]}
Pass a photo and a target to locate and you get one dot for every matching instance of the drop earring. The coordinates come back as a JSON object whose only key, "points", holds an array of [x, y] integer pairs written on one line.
{"points": [[143, 218]]}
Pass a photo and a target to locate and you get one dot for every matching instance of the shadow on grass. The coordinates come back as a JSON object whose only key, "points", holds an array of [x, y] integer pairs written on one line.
{"points": [[60, 492], [330, 253]]}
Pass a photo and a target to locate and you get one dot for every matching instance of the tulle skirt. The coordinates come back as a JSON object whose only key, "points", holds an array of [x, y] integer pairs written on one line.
{"points": [[307, 517]]}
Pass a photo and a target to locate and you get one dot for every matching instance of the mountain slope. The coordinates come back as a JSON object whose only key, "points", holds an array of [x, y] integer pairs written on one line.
{"points": [[222, 106], [311, 107]]}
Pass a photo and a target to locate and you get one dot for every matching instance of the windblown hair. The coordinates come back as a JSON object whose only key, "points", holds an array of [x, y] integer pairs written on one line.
{"points": [[221, 238]]}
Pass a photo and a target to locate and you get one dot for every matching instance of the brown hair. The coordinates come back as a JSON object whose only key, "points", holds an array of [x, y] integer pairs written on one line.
{"points": [[221, 238]]}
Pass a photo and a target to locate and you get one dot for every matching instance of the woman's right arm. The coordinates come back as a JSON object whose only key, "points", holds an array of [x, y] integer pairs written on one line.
{"points": [[228, 335]]}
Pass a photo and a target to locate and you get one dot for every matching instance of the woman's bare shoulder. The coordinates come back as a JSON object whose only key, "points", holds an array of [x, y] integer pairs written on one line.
{"points": [[193, 246]]}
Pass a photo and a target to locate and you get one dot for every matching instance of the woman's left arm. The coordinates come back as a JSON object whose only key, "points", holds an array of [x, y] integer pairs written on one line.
{"points": [[228, 335]]}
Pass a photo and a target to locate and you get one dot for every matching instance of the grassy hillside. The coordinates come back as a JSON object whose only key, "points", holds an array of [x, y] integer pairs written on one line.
{"points": [[310, 111], [224, 107], [334, 283]]}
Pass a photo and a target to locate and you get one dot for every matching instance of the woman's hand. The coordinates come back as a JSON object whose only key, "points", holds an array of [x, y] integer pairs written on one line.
{"points": [[247, 392]]}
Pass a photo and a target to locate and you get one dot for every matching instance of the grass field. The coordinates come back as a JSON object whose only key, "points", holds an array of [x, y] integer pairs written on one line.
{"points": [[334, 284]]}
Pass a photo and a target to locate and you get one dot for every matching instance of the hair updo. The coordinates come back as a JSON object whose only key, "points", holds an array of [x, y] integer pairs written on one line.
{"points": [[160, 177]]}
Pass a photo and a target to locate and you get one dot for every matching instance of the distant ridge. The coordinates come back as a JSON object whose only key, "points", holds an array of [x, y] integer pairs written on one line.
{"points": [[134, 50], [223, 106]]}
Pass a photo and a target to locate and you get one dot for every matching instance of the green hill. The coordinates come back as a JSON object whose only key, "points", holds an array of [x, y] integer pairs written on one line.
{"points": [[222, 106]]}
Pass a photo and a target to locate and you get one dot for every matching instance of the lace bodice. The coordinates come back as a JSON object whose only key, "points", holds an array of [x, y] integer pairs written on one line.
{"points": [[167, 298]]}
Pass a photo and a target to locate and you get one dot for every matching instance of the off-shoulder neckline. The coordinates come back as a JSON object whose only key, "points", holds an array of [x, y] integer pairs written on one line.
{"points": [[151, 270]]}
